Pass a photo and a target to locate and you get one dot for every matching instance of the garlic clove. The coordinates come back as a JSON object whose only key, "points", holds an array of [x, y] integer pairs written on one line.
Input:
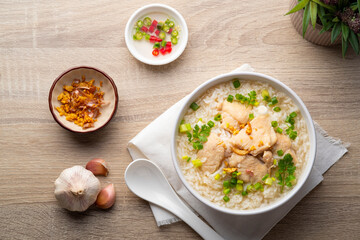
{"points": [[106, 197], [76, 188], [98, 167]]}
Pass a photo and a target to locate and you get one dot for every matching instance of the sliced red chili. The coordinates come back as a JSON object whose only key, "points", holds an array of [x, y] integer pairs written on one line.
{"points": [[151, 29], [155, 52]]}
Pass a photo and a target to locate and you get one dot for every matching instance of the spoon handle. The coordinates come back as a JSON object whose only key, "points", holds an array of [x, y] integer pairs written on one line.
{"points": [[184, 212]]}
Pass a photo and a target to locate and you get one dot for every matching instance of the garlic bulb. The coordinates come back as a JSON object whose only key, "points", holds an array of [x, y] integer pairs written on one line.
{"points": [[76, 188]]}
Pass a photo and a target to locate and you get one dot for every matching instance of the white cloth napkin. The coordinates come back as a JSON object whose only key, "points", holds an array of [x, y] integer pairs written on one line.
{"points": [[153, 143]]}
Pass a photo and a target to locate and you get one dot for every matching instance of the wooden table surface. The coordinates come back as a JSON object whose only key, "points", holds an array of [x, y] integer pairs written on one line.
{"points": [[41, 39]]}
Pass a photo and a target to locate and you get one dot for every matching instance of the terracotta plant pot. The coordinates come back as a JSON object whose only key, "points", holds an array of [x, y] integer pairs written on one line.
{"points": [[312, 35]]}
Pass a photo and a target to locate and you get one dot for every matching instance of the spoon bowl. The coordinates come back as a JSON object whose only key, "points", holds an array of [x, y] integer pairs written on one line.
{"points": [[147, 181]]}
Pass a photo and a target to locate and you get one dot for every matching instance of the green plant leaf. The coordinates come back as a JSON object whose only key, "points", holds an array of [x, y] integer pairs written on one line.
{"points": [[329, 7], [344, 47], [306, 18], [354, 41], [326, 27], [354, 5], [335, 32], [342, 4], [321, 13], [345, 31], [298, 7], [313, 13], [358, 5]]}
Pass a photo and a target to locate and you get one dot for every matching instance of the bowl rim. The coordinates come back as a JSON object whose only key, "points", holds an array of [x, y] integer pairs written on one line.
{"points": [[72, 69], [171, 58], [272, 81]]}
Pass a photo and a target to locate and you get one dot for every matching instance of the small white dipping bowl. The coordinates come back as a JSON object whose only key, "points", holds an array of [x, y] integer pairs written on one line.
{"points": [[147, 57], [108, 87], [256, 77]]}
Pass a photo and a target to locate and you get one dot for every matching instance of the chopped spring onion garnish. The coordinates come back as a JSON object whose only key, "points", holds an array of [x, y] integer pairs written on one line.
{"points": [[274, 123], [197, 163], [279, 130], [280, 152], [211, 124], [244, 193], [226, 184], [226, 191], [293, 114], [238, 174], [266, 96], [239, 187], [268, 181], [250, 100], [240, 181], [185, 127], [226, 198], [277, 109], [230, 98], [265, 177], [236, 83], [290, 131], [217, 176], [293, 135], [249, 188], [217, 117], [273, 101], [259, 186], [194, 106], [290, 120], [275, 162], [251, 116], [187, 158], [233, 182]]}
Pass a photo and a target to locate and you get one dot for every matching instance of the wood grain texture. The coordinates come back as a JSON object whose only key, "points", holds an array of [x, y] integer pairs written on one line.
{"points": [[41, 39]]}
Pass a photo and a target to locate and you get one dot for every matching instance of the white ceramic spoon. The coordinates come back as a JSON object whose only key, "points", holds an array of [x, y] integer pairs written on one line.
{"points": [[147, 181]]}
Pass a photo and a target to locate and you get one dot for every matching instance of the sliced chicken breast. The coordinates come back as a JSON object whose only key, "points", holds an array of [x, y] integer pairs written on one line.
{"points": [[257, 137], [213, 153], [252, 169]]}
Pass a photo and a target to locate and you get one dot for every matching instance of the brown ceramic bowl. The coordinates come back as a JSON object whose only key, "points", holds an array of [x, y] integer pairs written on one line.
{"points": [[108, 87]]}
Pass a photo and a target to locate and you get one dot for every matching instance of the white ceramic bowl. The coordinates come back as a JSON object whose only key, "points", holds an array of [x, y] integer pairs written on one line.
{"points": [[277, 85], [148, 10]]}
